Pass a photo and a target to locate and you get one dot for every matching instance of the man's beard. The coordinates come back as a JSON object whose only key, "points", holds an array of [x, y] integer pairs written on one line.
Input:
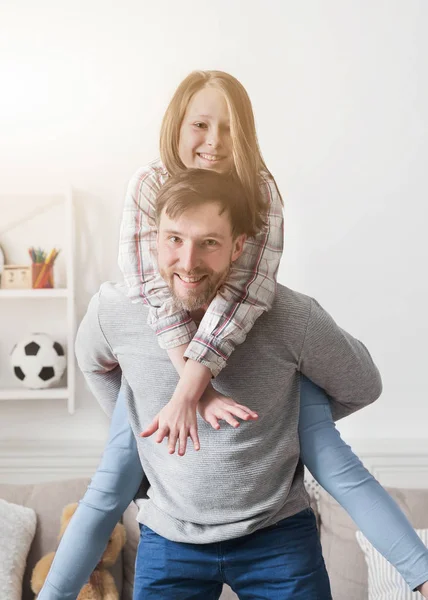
{"points": [[195, 299]]}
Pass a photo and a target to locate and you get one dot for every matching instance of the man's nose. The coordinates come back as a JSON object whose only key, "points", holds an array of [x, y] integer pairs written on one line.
{"points": [[189, 257]]}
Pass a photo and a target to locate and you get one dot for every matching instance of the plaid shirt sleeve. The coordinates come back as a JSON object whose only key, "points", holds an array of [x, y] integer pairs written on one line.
{"points": [[138, 259], [247, 293]]}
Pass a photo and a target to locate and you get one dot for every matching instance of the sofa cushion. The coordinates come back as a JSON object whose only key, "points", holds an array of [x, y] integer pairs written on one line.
{"points": [[48, 500], [384, 581], [343, 557], [17, 529]]}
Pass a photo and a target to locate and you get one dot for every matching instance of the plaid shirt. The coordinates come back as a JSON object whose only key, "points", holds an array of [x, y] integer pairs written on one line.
{"points": [[247, 293]]}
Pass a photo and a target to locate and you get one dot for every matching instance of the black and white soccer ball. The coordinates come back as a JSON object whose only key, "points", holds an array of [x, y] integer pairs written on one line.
{"points": [[38, 361]]}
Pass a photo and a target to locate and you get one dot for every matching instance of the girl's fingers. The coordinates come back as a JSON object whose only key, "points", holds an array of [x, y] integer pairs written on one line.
{"points": [[162, 433], [195, 438], [172, 441], [252, 414], [242, 412], [238, 412], [151, 428], [182, 443], [229, 419], [212, 420]]}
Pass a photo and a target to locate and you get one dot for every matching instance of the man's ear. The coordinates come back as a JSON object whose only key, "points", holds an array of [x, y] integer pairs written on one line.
{"points": [[238, 246]]}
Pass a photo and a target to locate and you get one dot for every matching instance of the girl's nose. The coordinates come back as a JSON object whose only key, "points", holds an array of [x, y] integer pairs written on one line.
{"points": [[213, 138]]}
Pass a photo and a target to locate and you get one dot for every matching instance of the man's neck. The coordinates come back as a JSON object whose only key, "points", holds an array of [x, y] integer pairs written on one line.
{"points": [[197, 314]]}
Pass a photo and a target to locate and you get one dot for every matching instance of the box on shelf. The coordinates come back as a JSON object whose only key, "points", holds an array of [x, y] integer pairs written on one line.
{"points": [[16, 277]]}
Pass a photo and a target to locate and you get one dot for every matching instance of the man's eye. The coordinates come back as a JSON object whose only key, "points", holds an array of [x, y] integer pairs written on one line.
{"points": [[211, 242]]}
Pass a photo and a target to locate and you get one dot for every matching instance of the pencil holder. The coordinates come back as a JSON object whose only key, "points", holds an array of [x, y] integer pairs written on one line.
{"points": [[42, 275]]}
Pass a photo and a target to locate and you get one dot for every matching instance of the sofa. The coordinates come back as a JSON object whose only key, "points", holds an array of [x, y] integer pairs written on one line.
{"points": [[344, 560]]}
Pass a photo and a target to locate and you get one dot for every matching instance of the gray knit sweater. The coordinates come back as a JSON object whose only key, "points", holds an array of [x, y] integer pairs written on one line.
{"points": [[242, 479]]}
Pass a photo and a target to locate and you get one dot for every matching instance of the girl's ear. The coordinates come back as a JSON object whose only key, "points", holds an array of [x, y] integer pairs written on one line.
{"points": [[238, 246]]}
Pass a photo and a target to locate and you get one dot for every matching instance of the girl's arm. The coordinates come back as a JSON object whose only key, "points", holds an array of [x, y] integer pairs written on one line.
{"points": [[339, 471], [138, 259], [248, 292]]}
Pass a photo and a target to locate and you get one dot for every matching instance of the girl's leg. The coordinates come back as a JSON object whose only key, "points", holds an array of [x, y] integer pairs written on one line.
{"points": [[341, 474], [112, 488]]}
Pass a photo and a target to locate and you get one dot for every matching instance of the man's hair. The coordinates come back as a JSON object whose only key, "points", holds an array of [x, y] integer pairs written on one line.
{"points": [[195, 187]]}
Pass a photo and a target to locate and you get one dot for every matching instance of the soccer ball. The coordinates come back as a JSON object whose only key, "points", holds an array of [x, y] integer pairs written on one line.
{"points": [[38, 361]]}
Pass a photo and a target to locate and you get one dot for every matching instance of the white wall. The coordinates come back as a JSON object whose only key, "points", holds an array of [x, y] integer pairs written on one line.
{"points": [[340, 93]]}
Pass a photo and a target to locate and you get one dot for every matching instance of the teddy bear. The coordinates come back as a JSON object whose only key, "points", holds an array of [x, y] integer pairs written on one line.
{"points": [[101, 585]]}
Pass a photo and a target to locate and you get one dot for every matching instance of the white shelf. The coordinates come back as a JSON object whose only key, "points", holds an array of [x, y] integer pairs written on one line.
{"points": [[42, 293], [26, 394], [18, 299]]}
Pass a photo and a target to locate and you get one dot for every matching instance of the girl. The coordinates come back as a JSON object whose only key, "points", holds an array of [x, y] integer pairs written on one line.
{"points": [[207, 112], [209, 124]]}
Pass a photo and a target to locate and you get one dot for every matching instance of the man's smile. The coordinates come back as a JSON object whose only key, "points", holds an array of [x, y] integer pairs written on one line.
{"points": [[190, 282]]}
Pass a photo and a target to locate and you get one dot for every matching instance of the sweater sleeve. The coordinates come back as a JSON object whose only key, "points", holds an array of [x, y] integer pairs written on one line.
{"points": [[96, 359], [138, 259], [248, 292], [338, 363]]}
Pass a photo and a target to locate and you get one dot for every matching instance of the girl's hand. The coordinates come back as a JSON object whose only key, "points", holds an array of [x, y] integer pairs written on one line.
{"points": [[177, 421], [214, 406]]}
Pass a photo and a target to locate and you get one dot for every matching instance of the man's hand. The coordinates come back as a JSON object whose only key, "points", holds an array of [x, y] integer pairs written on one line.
{"points": [[213, 407], [177, 421]]}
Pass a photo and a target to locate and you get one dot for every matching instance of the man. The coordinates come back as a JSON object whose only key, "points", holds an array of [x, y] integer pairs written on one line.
{"points": [[236, 511]]}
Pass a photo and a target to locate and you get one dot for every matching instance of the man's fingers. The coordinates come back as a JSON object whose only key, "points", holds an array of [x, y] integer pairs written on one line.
{"points": [[151, 428], [195, 438]]}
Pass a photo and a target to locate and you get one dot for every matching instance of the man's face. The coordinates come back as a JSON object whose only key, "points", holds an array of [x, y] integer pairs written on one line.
{"points": [[195, 253]]}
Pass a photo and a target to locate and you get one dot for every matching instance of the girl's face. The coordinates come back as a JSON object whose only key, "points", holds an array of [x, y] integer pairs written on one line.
{"points": [[205, 141]]}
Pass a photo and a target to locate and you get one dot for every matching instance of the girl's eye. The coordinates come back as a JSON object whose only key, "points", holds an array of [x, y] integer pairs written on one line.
{"points": [[174, 239], [200, 125]]}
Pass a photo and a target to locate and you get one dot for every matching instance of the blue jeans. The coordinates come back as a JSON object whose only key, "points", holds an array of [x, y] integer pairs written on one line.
{"points": [[330, 460], [275, 563]]}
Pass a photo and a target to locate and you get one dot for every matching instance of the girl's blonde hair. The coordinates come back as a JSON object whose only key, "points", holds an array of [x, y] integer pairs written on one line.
{"points": [[247, 157]]}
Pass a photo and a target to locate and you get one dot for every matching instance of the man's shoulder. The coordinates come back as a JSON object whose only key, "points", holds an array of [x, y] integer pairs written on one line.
{"points": [[285, 297], [113, 297], [288, 318], [113, 291]]}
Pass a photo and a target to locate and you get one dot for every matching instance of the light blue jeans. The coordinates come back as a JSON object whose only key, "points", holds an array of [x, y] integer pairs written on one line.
{"points": [[329, 459]]}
